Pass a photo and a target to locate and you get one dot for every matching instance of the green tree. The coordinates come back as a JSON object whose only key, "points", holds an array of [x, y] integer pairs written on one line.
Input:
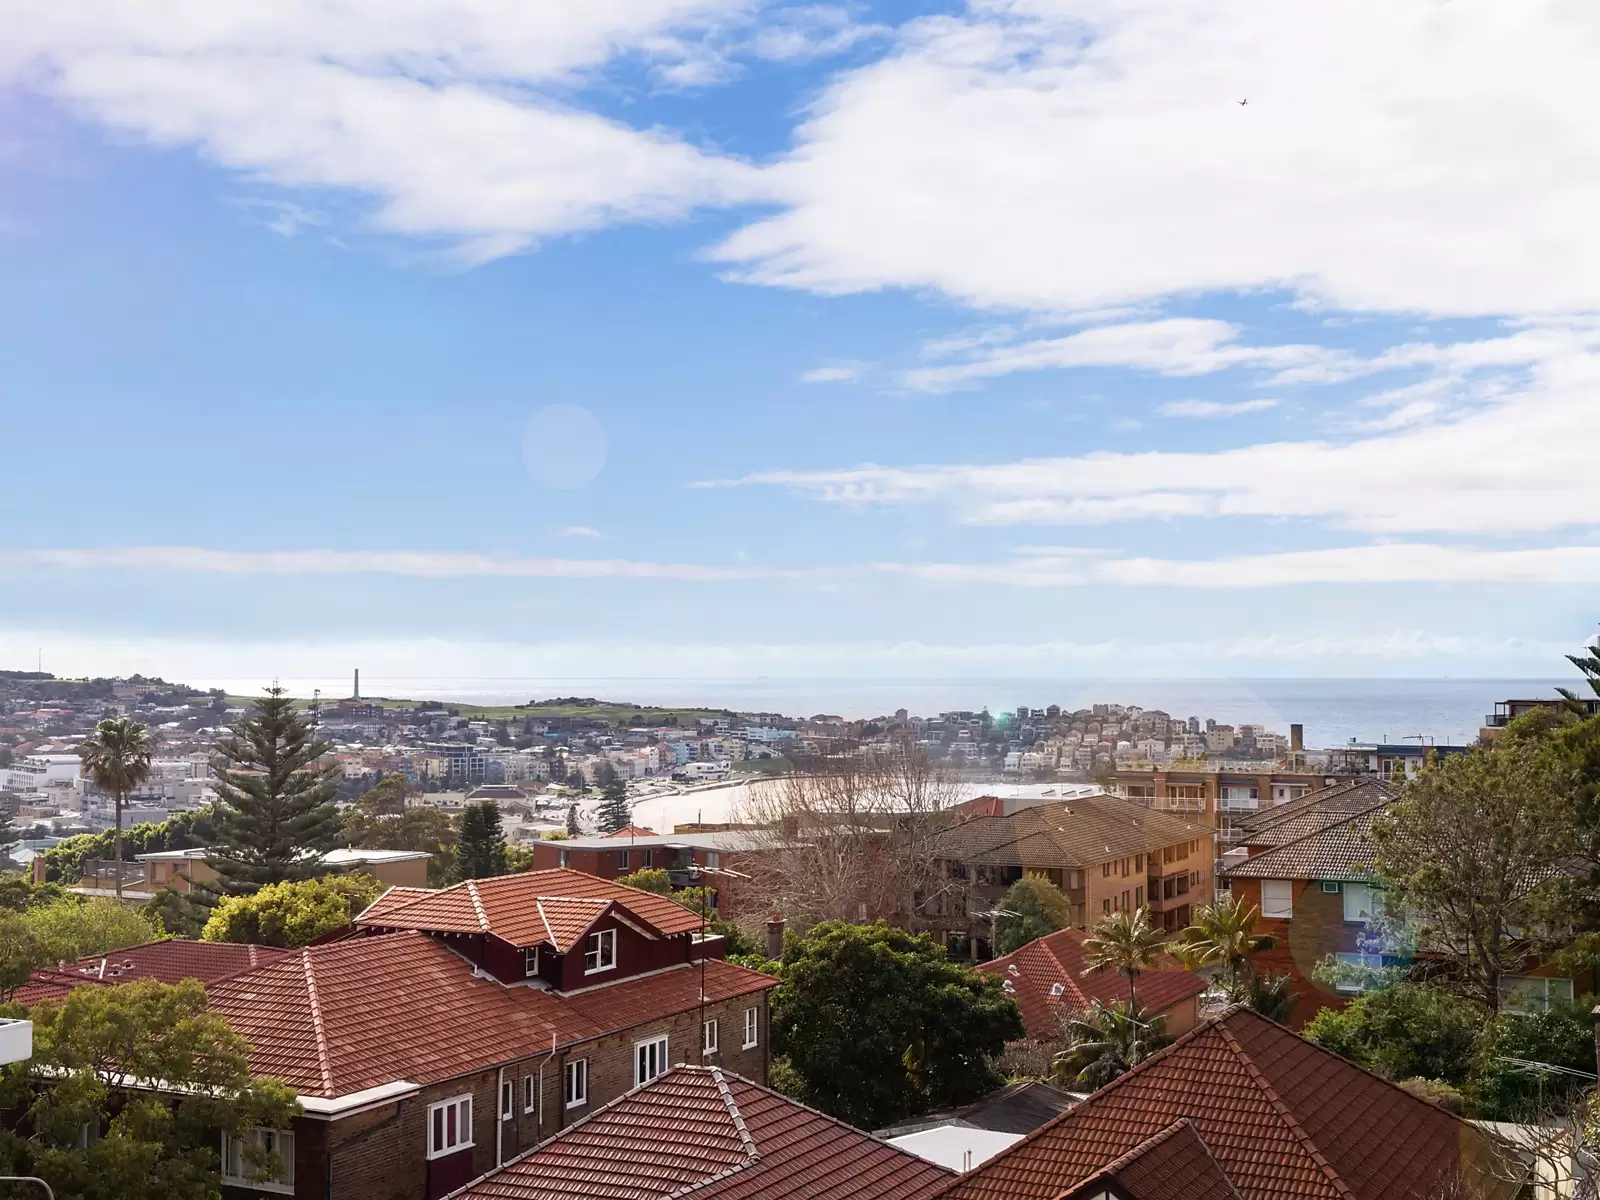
{"points": [[293, 913], [88, 1051], [480, 842], [78, 928], [1223, 935], [1505, 1088], [1467, 846], [179, 914], [23, 950], [182, 831], [877, 1024], [648, 880], [573, 829], [615, 813], [10, 834], [117, 759], [1031, 908], [423, 828], [275, 816], [1129, 943], [386, 798], [1273, 996], [1410, 1029], [1106, 1042]]}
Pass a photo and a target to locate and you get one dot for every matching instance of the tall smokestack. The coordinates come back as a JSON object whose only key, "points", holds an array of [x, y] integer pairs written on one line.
{"points": [[358, 683], [1297, 738]]}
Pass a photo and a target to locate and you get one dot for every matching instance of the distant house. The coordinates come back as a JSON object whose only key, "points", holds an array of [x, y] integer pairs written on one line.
{"points": [[1106, 853], [705, 1133], [1050, 981], [182, 869], [1242, 1109], [710, 859]]}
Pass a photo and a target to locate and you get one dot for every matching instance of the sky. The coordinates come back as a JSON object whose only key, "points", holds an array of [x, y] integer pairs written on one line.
{"points": [[719, 339]]}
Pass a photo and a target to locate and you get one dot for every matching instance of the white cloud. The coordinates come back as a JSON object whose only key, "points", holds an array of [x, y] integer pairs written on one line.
{"points": [[1517, 460], [448, 114], [581, 531], [809, 32], [1069, 154], [838, 373], [1206, 410]]}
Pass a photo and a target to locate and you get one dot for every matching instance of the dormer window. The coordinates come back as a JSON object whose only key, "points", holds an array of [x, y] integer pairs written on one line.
{"points": [[602, 952], [530, 961]]}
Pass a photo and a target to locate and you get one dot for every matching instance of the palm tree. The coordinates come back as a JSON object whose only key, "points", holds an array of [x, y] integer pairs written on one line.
{"points": [[1223, 934], [1106, 1042], [1128, 942], [1269, 995], [116, 759]]}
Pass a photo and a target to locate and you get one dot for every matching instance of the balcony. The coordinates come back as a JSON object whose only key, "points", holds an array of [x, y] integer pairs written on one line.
{"points": [[16, 1040]]}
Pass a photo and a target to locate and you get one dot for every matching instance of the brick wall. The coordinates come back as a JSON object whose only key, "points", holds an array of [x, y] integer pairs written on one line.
{"points": [[1317, 929]]}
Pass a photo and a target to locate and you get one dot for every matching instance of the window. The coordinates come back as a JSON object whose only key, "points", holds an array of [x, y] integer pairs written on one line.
{"points": [[530, 1093], [752, 1027], [238, 1170], [564, 859], [1359, 901], [1105, 870], [577, 1082], [530, 961], [449, 1126], [649, 1060], [1277, 898], [1138, 864], [602, 952], [1527, 994], [1124, 899], [1138, 897], [1105, 907], [507, 1099], [708, 1039], [713, 859], [1355, 970]]}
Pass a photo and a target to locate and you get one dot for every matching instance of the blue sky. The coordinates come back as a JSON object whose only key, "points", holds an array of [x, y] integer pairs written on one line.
{"points": [[921, 340]]}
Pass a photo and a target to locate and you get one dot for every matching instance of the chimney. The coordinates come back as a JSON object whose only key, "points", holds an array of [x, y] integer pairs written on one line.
{"points": [[775, 937], [1297, 738], [357, 694]]}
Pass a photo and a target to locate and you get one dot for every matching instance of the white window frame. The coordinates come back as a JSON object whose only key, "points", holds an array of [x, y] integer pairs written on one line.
{"points": [[508, 1099], [601, 954], [1359, 896], [1532, 993], [530, 961], [282, 1184], [530, 1094], [647, 1053], [575, 1083], [708, 1037], [1285, 911], [752, 1028], [463, 1107]]}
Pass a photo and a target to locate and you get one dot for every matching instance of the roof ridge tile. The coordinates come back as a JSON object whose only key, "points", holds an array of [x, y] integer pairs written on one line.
{"points": [[323, 1063], [477, 904]]}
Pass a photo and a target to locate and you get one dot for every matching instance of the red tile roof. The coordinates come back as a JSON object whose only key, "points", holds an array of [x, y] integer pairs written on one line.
{"points": [[339, 1018], [1283, 1118], [525, 909], [1172, 1165], [1057, 960], [168, 961], [700, 1131], [628, 831]]}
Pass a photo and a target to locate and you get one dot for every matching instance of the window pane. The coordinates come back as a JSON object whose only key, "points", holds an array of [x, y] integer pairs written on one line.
{"points": [[438, 1130]]}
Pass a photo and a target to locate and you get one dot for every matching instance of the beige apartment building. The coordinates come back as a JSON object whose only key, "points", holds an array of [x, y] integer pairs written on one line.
{"points": [[1214, 795]]}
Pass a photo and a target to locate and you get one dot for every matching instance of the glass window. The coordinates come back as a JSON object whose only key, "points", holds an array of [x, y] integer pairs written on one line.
{"points": [[577, 1082], [1531, 994], [1277, 898], [530, 961], [713, 859], [1358, 901], [507, 1099], [708, 1041], [239, 1171], [650, 1060], [752, 1027], [602, 952], [449, 1126], [530, 1093], [1356, 971]]}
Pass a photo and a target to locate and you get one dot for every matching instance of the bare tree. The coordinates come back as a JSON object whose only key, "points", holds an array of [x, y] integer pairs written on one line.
{"points": [[849, 836]]}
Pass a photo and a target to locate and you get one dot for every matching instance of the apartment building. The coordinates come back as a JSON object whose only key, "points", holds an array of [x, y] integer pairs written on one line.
{"points": [[1106, 853], [1215, 795], [710, 858]]}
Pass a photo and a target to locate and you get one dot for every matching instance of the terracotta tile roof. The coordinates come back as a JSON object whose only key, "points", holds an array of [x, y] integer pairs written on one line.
{"points": [[1057, 961], [339, 1018], [177, 959], [1283, 1118], [1172, 1165], [1292, 821], [629, 831], [524, 909], [47, 985], [700, 1131], [1074, 833], [1341, 850]]}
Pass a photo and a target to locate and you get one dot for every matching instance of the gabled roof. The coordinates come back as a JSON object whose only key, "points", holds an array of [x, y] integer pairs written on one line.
{"points": [[1317, 810], [1341, 850], [1048, 981], [1073, 833], [169, 961], [1171, 1165], [630, 831], [702, 1132], [1282, 1118], [339, 1018], [554, 906]]}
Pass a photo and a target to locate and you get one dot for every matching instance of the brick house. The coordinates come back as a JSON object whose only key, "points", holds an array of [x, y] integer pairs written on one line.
{"points": [[688, 858], [705, 1132], [1242, 1109], [1106, 853], [452, 1030], [1050, 982]]}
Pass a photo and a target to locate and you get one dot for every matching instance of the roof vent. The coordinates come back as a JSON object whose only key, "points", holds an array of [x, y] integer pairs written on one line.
{"points": [[1009, 990], [1057, 989], [1012, 970]]}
